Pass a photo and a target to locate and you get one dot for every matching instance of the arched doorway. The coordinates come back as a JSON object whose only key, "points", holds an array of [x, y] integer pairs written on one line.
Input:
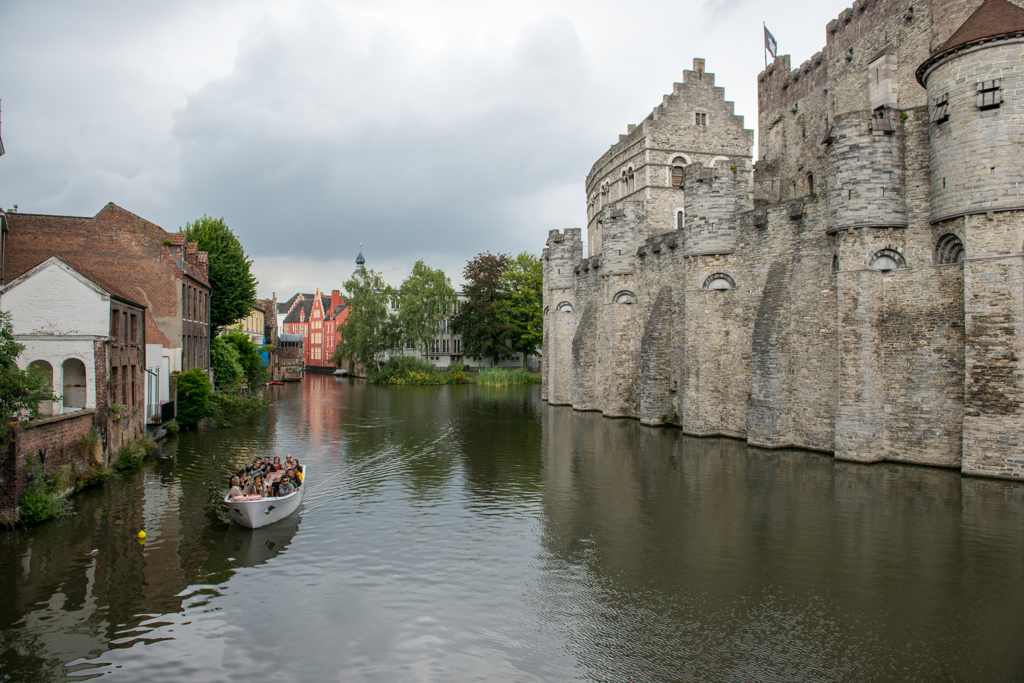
{"points": [[74, 385], [43, 367]]}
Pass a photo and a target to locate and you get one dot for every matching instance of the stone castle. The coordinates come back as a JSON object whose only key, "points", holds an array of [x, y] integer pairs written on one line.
{"points": [[858, 290]]}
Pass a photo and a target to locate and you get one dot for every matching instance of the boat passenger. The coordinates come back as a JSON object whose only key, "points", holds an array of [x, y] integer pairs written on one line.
{"points": [[278, 467], [288, 461], [286, 486], [255, 487], [298, 469], [296, 480], [236, 494]]}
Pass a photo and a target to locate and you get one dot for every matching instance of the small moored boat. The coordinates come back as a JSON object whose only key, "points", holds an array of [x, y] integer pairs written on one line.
{"points": [[264, 511], [341, 372]]}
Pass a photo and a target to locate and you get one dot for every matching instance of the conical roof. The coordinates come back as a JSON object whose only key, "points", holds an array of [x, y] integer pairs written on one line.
{"points": [[359, 259], [993, 18]]}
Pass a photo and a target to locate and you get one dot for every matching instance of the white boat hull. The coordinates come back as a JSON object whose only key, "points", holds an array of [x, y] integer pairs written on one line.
{"points": [[264, 511]]}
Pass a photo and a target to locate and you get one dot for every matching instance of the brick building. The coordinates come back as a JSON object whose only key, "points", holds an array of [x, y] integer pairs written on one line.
{"points": [[89, 338], [157, 268], [316, 318], [857, 291]]}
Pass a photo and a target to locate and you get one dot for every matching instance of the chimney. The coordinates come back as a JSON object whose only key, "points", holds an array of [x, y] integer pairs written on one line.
{"points": [[335, 298]]}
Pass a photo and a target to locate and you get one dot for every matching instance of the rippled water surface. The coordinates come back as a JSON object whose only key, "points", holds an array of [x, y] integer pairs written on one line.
{"points": [[471, 533]]}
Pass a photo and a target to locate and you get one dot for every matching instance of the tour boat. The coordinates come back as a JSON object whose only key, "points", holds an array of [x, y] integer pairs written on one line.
{"points": [[264, 511]]}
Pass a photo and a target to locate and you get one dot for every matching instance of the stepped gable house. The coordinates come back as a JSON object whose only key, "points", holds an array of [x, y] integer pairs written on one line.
{"points": [[161, 270], [316, 317], [858, 290]]}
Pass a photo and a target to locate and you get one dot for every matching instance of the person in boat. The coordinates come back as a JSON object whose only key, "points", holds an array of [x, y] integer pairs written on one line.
{"points": [[235, 493], [286, 486], [298, 469], [255, 487], [288, 461], [293, 475], [278, 467]]}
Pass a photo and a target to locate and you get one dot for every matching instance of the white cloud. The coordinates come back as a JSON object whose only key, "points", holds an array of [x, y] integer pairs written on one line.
{"points": [[424, 130]]}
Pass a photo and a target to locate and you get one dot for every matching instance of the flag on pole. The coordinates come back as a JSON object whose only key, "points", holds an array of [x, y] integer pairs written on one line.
{"points": [[770, 44]]}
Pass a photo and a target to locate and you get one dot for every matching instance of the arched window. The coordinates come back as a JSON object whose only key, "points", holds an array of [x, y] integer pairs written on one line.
{"points": [[887, 259], [74, 385], [624, 188], [44, 368], [679, 219], [835, 263], [949, 249], [624, 297], [719, 281], [564, 307], [810, 183], [677, 170], [631, 181]]}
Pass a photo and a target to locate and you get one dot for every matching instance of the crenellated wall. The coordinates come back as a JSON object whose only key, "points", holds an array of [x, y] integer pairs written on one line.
{"points": [[858, 290]]}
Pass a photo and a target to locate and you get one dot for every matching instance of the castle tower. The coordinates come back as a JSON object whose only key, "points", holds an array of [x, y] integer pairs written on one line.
{"points": [[865, 171], [976, 113], [563, 253], [713, 195]]}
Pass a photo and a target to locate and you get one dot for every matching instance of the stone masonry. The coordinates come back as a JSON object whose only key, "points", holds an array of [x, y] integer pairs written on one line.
{"points": [[858, 290]]}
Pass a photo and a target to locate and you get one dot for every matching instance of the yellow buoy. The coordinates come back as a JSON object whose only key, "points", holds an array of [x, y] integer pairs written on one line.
{"points": [[142, 534]]}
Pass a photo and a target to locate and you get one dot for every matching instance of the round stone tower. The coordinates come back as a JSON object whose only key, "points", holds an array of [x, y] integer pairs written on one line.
{"points": [[866, 172], [976, 107], [712, 197]]}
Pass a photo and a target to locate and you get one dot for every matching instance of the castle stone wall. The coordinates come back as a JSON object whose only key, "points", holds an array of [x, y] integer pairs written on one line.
{"points": [[834, 295]]}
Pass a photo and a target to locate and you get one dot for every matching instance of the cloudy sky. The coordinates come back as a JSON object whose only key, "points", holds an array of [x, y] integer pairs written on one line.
{"points": [[433, 129]]}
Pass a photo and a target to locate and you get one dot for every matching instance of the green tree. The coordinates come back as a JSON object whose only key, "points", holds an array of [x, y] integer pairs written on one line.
{"points": [[370, 328], [21, 391], [255, 372], [483, 333], [224, 359], [193, 396], [233, 286], [521, 305], [425, 299]]}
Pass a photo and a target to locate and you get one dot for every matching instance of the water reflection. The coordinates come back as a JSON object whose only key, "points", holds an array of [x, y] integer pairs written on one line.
{"points": [[474, 533]]}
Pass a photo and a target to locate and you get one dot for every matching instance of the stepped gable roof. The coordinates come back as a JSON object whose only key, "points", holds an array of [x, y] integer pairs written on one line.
{"points": [[992, 19], [305, 306]]}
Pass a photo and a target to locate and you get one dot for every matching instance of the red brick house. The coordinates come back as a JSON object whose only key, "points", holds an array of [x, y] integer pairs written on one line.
{"points": [[317, 318], [148, 264]]}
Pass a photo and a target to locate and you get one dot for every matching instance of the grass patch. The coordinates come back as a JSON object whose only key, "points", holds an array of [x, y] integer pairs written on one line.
{"points": [[503, 377]]}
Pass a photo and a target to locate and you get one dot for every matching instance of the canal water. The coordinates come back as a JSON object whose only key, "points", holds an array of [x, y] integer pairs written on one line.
{"points": [[474, 533]]}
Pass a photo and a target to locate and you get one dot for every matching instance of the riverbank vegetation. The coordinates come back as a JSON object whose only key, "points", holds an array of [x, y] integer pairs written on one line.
{"points": [[198, 403], [414, 371], [503, 377], [48, 486]]}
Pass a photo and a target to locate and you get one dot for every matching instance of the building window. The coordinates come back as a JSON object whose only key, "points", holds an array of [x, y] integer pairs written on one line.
{"points": [[624, 297], [114, 319], [679, 220], [887, 259], [134, 321], [719, 282], [949, 250], [940, 109], [444, 346], [702, 119], [835, 263], [990, 95], [456, 345], [631, 184]]}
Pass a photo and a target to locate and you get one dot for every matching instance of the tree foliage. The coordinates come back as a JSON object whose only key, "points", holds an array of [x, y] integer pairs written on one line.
{"points": [[425, 299], [253, 369], [520, 306], [483, 333], [233, 286], [21, 391], [193, 396], [371, 328], [227, 369]]}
